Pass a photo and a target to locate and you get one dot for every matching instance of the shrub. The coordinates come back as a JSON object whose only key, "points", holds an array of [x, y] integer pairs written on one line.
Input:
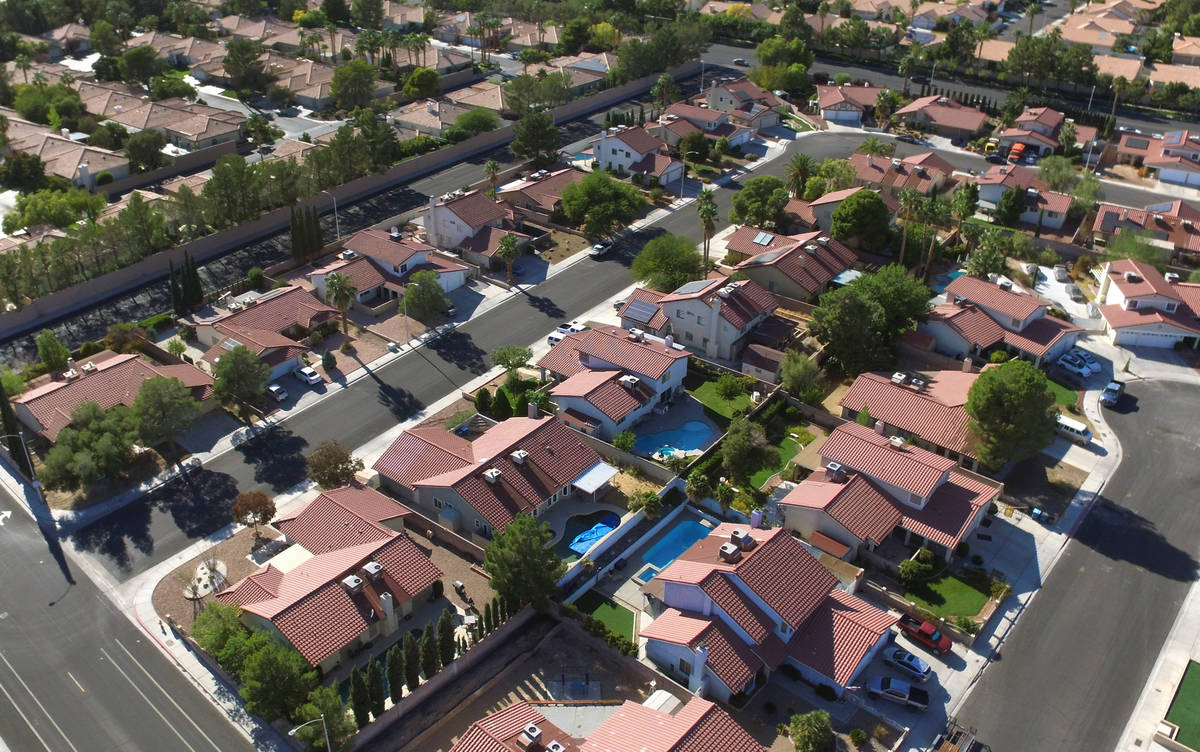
{"points": [[858, 737], [1000, 590], [625, 441], [924, 555], [156, 322], [1048, 258], [328, 362], [637, 178], [256, 277], [187, 332], [880, 732], [316, 338], [913, 571], [962, 549], [483, 401], [826, 692], [976, 559], [104, 177], [90, 348], [998, 357], [966, 624], [656, 194], [347, 347], [439, 588], [729, 386]]}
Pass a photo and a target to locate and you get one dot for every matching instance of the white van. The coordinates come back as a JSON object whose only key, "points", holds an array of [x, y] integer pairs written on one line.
{"points": [[1073, 430], [555, 338]]}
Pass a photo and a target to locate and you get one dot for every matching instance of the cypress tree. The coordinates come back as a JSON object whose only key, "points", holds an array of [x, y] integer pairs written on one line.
{"points": [[497, 617], [445, 630], [487, 618], [176, 293], [412, 663], [395, 673], [642, 115], [360, 698], [483, 401], [294, 235], [12, 430], [318, 237], [375, 687], [430, 660]]}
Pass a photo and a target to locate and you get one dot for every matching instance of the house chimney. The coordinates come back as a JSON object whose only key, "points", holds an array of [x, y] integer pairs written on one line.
{"points": [[388, 606], [698, 664], [1105, 282], [968, 366], [532, 410], [880, 427], [431, 223]]}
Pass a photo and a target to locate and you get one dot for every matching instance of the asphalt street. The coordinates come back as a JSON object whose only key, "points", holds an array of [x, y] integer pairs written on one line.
{"points": [[167, 521], [1070, 673], [76, 675]]}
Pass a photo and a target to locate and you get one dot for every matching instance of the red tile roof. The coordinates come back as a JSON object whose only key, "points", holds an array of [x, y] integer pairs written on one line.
{"points": [[839, 634], [860, 506], [1024, 133], [420, 453], [935, 412], [743, 611], [917, 172], [546, 192], [742, 302], [863, 97], [1120, 318], [638, 140], [1041, 335], [1146, 280], [272, 347], [1041, 115], [477, 209], [380, 245], [653, 164], [729, 657], [946, 112], [277, 311], [610, 345], [1011, 176], [742, 240], [763, 358], [910, 467], [659, 319], [486, 241], [502, 731], [603, 391], [700, 726], [827, 544], [809, 263], [341, 518], [696, 115], [988, 295], [947, 517], [313, 610], [361, 272], [116, 380]]}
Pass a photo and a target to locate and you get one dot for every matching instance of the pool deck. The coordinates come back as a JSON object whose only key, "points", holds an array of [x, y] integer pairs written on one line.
{"points": [[557, 517], [685, 409]]}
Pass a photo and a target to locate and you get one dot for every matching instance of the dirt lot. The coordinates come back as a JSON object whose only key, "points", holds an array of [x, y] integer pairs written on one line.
{"points": [[1041, 482], [625, 486], [169, 595], [563, 245]]}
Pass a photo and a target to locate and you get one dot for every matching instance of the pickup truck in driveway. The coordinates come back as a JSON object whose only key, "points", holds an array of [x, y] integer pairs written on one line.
{"points": [[925, 633], [1112, 393], [899, 692]]}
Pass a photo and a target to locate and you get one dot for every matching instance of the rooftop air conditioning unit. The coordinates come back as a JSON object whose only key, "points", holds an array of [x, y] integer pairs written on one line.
{"points": [[1005, 285], [353, 584], [532, 733], [636, 335], [896, 163], [373, 570], [394, 232], [70, 373], [730, 553], [823, 240], [519, 456], [833, 467], [347, 254], [1158, 217], [726, 291], [916, 383], [1170, 277], [491, 475], [89, 367], [899, 377], [629, 381], [1186, 222], [811, 248], [742, 539], [1033, 192], [943, 100], [897, 442], [555, 747], [1132, 277]]}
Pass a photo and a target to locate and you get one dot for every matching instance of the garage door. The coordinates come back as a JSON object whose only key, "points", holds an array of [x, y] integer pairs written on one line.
{"points": [[841, 116], [1148, 339]]}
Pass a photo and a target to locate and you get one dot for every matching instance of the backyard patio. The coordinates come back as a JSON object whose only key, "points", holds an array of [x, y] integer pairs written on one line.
{"points": [[686, 427]]}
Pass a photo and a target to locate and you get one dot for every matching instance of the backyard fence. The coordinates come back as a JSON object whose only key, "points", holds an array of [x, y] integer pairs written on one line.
{"points": [[650, 469], [882, 595]]}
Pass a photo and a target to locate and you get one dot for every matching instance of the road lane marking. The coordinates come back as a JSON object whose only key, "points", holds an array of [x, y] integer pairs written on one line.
{"points": [[168, 696], [25, 718], [150, 704], [39, 704], [77, 684]]}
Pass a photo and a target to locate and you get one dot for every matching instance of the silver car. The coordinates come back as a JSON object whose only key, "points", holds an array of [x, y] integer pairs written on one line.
{"points": [[908, 664]]}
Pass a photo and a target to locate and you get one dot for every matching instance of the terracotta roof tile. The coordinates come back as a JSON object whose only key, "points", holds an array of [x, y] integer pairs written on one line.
{"points": [[610, 346], [988, 295], [970, 323], [603, 391], [477, 209], [700, 726], [380, 245], [936, 414], [839, 634], [341, 518], [420, 453], [659, 319], [910, 467]]}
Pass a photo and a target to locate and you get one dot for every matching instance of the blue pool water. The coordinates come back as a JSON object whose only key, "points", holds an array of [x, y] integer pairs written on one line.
{"points": [[942, 281], [691, 435], [679, 539]]}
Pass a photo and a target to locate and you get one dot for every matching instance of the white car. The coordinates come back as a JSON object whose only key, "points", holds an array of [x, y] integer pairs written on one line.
{"points": [[571, 328], [599, 250], [1086, 357], [278, 393], [307, 375], [1074, 366]]}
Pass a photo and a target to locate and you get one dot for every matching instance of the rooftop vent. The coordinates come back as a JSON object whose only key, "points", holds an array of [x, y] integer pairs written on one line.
{"points": [[394, 232], [555, 747], [899, 377], [629, 381], [812, 248], [89, 366], [347, 254], [491, 475], [636, 335], [353, 584], [1132, 277], [943, 100], [896, 163], [1005, 285], [373, 570], [823, 240], [1031, 192], [519, 456], [730, 553], [916, 383], [1186, 222], [834, 469], [1158, 217], [897, 442]]}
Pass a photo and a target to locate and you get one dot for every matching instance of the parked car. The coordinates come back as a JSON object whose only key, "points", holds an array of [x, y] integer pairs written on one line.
{"points": [[554, 338], [994, 159], [925, 633], [1074, 366], [906, 663], [1086, 357], [571, 328], [277, 393], [899, 692], [1112, 393], [908, 138], [1071, 358], [619, 304], [307, 375], [741, 62], [1061, 274], [1072, 430], [599, 250], [920, 78]]}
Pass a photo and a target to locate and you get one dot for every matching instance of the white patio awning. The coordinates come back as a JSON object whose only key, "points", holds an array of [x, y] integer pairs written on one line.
{"points": [[595, 477]]}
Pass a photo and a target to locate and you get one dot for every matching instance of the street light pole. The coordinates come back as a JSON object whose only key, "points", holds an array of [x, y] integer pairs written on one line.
{"points": [[25, 448], [324, 725], [337, 225], [683, 174]]}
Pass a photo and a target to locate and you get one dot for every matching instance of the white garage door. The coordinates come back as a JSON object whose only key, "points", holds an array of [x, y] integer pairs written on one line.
{"points": [[847, 117], [1147, 339]]}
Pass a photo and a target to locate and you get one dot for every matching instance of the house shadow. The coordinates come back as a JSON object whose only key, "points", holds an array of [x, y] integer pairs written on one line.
{"points": [[1122, 534], [277, 456]]}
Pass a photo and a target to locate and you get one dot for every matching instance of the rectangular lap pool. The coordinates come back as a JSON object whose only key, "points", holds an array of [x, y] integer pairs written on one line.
{"points": [[677, 540]]}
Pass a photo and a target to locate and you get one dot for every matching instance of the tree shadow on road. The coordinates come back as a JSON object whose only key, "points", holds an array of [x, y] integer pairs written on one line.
{"points": [[200, 502], [459, 350], [277, 456], [1122, 534], [112, 536], [544, 305]]}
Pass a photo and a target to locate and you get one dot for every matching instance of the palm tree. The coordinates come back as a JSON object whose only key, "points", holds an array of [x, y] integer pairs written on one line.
{"points": [[332, 42], [476, 31], [983, 32], [1033, 9], [800, 169], [706, 207], [491, 171], [340, 292], [508, 251], [23, 65], [934, 213], [421, 45], [909, 199], [822, 11], [873, 147], [1120, 85]]}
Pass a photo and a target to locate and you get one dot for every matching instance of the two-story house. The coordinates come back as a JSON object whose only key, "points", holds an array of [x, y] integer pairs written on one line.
{"points": [[847, 105], [381, 265], [928, 410], [979, 316], [472, 223], [659, 364], [742, 602], [634, 150], [353, 577], [716, 316], [746, 103], [875, 486], [801, 270], [1173, 226], [603, 403], [1042, 206], [926, 173], [519, 466], [1143, 308], [1038, 129]]}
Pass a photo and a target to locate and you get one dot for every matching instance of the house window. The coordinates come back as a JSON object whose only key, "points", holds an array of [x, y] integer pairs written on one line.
{"points": [[771, 285], [1131, 304], [1171, 307], [679, 314], [685, 667], [437, 503], [478, 525], [403, 268], [688, 335], [700, 321], [1016, 323], [706, 342]]}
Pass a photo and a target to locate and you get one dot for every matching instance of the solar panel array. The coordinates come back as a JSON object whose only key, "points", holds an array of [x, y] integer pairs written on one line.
{"points": [[641, 311], [692, 287]]}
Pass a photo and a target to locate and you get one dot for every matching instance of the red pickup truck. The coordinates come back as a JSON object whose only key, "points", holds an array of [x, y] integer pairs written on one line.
{"points": [[925, 633]]}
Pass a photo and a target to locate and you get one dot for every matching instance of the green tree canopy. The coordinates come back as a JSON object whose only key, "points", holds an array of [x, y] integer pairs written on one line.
{"points": [[852, 329], [424, 295], [741, 448], [812, 731], [97, 444], [535, 137], [139, 64], [602, 205], [862, 220], [215, 625], [667, 262], [325, 701], [1010, 207], [1058, 173], [276, 681], [240, 378], [52, 353], [478, 120], [524, 569], [760, 203], [423, 83], [1011, 412], [53, 208], [353, 84], [1136, 246], [164, 409], [244, 65], [801, 377], [903, 298]]}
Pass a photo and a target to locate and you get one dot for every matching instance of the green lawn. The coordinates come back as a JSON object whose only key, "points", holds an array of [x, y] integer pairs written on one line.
{"points": [[617, 618], [948, 597], [706, 391], [787, 450], [1063, 395], [1185, 708]]}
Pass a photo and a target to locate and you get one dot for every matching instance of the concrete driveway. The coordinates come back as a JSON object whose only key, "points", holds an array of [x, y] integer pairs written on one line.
{"points": [[1056, 292], [1083, 457]]}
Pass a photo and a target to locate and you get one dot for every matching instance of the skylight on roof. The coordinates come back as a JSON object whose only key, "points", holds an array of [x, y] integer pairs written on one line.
{"points": [[764, 238], [230, 344], [768, 257]]}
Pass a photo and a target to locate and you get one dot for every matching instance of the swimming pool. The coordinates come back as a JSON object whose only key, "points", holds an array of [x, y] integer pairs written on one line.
{"points": [[691, 435], [942, 281], [574, 527], [679, 539]]}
